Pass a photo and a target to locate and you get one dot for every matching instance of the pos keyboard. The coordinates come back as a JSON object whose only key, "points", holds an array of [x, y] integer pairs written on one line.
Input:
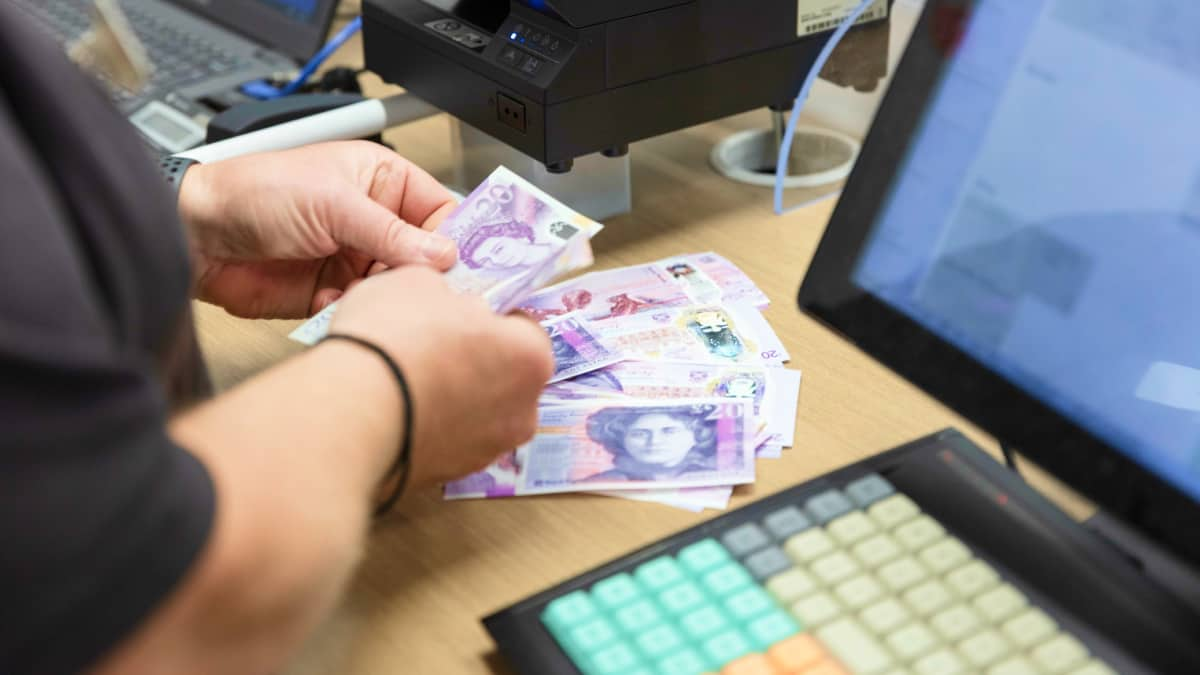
{"points": [[873, 569]]}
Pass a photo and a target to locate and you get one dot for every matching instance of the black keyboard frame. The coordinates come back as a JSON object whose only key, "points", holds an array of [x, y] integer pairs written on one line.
{"points": [[1088, 586]]}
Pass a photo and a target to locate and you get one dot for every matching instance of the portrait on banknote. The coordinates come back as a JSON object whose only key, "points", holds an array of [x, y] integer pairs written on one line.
{"points": [[650, 443], [503, 246], [742, 385], [713, 330]]}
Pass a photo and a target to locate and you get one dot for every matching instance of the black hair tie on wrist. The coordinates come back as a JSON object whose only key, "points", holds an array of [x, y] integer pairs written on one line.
{"points": [[400, 468]]}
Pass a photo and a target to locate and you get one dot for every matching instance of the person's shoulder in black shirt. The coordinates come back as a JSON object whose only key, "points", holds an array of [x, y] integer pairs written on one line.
{"points": [[140, 536]]}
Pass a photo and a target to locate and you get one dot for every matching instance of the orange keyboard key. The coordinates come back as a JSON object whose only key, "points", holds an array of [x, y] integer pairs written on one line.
{"points": [[796, 653], [826, 667], [750, 664]]}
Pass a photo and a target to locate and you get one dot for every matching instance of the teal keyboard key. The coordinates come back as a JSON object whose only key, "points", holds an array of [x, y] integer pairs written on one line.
{"points": [[748, 603], [591, 636], [659, 573], [727, 646], [703, 556], [618, 659], [659, 641], [771, 628], [615, 591], [726, 579], [682, 598], [703, 622], [639, 616], [570, 609], [683, 662]]}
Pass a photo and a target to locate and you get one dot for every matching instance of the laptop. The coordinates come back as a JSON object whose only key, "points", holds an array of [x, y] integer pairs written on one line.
{"points": [[1021, 238], [202, 50]]}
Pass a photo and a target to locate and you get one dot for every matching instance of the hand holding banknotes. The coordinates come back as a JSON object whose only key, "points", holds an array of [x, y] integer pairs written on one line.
{"points": [[475, 375], [282, 235]]}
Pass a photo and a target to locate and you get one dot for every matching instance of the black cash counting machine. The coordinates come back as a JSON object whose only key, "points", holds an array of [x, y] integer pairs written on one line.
{"points": [[560, 79]]}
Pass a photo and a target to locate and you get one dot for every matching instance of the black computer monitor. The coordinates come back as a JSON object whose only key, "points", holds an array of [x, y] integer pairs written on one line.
{"points": [[1021, 238], [296, 28]]}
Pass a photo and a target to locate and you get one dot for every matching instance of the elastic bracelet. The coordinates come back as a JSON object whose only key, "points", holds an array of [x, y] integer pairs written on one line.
{"points": [[400, 468]]}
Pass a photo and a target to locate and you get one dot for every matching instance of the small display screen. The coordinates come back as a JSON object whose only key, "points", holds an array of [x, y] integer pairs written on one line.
{"points": [[486, 14], [165, 127]]}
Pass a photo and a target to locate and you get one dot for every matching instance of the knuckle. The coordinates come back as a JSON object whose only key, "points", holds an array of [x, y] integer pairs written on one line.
{"points": [[397, 235], [524, 426]]}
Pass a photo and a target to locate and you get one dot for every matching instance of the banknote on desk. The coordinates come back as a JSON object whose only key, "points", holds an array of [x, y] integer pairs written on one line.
{"points": [[697, 278], [774, 391], [720, 333], [612, 445]]}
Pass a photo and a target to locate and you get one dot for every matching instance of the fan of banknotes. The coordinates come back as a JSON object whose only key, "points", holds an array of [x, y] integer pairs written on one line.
{"points": [[668, 383]]}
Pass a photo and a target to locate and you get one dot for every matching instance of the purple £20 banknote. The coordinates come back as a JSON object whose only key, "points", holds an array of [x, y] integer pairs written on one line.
{"points": [[577, 349], [625, 445]]}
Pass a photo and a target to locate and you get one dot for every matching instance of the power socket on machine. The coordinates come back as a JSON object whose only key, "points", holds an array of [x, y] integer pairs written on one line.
{"points": [[511, 112]]}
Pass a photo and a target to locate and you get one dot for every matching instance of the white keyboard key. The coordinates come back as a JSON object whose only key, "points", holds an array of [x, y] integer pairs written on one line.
{"points": [[851, 527], [1059, 654], [787, 587], [956, 623], [940, 662], [854, 646], [928, 597], [808, 545], [816, 609], [858, 592], [892, 511], [835, 567], [919, 532], [1029, 627], [1000, 603], [902, 573], [945, 555], [1093, 668], [1017, 665], [984, 648], [877, 550], [972, 579], [885, 616], [912, 641]]}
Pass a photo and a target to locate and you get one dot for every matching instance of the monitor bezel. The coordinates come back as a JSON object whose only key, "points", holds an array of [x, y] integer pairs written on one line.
{"points": [[1075, 456], [297, 39]]}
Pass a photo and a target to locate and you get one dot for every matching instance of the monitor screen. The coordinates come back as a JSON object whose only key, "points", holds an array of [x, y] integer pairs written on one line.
{"points": [[1046, 217]]}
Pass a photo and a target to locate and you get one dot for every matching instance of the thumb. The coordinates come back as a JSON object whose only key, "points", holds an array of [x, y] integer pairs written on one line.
{"points": [[370, 228]]}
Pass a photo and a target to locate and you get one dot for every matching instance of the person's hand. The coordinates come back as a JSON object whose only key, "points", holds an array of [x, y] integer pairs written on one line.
{"points": [[475, 376], [283, 234]]}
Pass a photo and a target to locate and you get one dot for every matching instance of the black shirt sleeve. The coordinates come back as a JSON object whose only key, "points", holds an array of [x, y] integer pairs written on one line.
{"points": [[101, 514]]}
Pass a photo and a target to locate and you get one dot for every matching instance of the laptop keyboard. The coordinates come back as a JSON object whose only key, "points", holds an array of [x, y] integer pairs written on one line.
{"points": [[179, 56], [855, 580]]}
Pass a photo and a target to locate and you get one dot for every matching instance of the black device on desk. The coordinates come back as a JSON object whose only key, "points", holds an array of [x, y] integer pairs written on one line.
{"points": [[559, 79], [202, 50], [1019, 237]]}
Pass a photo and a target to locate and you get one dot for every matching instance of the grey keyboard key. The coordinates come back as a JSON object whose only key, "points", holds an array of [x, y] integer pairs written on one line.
{"points": [[828, 505], [767, 563], [786, 522], [869, 489], [745, 539]]}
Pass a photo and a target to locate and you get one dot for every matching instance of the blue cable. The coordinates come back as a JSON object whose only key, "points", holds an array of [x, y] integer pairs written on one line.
{"points": [[263, 90], [785, 148]]}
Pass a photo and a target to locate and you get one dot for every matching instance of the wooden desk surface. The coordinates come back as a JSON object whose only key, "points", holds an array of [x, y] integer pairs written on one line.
{"points": [[435, 568]]}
